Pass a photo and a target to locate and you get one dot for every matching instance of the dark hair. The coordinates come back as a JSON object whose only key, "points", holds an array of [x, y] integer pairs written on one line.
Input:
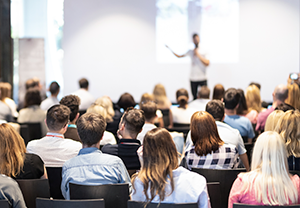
{"points": [[204, 92], [284, 107], [204, 133], [216, 109], [125, 101], [134, 120], [182, 97], [195, 35], [231, 98], [149, 109], [54, 88], [32, 83], [83, 83], [90, 127], [256, 84], [72, 102], [243, 108], [218, 92], [57, 117], [32, 97]]}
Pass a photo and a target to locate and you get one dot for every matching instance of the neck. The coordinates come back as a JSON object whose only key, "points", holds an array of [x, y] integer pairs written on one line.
{"points": [[57, 132], [94, 145], [127, 135], [150, 121], [230, 112], [276, 103], [183, 106]]}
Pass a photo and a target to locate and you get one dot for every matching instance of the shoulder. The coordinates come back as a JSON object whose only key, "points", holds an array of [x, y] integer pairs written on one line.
{"points": [[72, 142], [109, 148], [33, 157]]}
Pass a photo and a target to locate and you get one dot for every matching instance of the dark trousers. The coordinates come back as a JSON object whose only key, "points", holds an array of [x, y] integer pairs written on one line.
{"points": [[195, 85]]}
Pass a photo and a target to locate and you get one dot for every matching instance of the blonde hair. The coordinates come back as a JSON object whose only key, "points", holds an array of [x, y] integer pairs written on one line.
{"points": [[106, 103], [272, 183], [253, 98], [160, 96], [293, 98], [288, 127], [146, 97], [273, 119], [98, 109], [12, 151]]}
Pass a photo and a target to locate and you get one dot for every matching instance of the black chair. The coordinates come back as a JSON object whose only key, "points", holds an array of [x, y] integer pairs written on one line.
{"points": [[249, 148], [135, 204], [4, 203], [30, 131], [166, 117], [293, 172], [214, 192], [33, 188], [226, 177], [54, 203], [114, 195], [81, 112], [54, 177], [237, 205]]}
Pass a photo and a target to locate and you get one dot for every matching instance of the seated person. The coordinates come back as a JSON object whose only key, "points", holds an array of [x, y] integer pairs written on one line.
{"points": [[209, 151], [160, 172], [85, 96], [52, 100], [269, 182], [54, 149], [130, 126], [202, 99], [90, 166]]}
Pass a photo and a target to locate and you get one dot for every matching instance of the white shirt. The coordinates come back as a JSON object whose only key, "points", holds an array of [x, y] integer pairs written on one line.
{"points": [[228, 134], [108, 138], [49, 102], [54, 149], [86, 98], [198, 69], [199, 104], [189, 187], [181, 115], [147, 127]]}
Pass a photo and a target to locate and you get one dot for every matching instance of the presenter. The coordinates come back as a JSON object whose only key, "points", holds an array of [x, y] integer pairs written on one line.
{"points": [[200, 62]]}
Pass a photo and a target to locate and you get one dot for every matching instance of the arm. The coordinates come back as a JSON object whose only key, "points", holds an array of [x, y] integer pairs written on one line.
{"points": [[245, 161], [45, 176], [178, 56], [202, 59]]}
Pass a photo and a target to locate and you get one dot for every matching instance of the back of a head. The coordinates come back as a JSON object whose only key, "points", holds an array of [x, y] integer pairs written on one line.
{"points": [[216, 109], [72, 102], [293, 96], [83, 83], [134, 120], [149, 109], [126, 101], [281, 92], [54, 88], [288, 127], [90, 127], [231, 98], [32, 97], [182, 96], [106, 103], [284, 107], [243, 108], [98, 109], [204, 133], [57, 117], [146, 97], [273, 119], [255, 84], [204, 92], [32, 83], [159, 90], [218, 92], [5, 90], [253, 98]]}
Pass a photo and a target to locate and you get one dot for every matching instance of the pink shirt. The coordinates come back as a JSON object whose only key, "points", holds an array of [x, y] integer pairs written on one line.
{"points": [[236, 196]]}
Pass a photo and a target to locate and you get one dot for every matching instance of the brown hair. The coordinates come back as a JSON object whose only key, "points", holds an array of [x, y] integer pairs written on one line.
{"points": [[204, 92], [72, 102], [5, 88], [57, 117], [293, 98], [149, 109], [204, 133], [218, 92], [32, 97], [159, 160], [12, 151], [134, 120]]}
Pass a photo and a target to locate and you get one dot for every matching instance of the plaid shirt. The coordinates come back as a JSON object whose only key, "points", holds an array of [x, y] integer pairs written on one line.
{"points": [[226, 157]]}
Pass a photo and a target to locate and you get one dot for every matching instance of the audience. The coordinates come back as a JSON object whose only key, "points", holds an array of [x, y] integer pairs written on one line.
{"points": [[52, 100], [293, 98], [209, 151], [126, 101], [161, 180], [218, 93], [91, 166], [273, 119], [86, 98], [32, 113], [268, 182], [130, 126], [54, 149], [241, 123], [72, 102], [202, 99], [253, 103], [5, 93]]}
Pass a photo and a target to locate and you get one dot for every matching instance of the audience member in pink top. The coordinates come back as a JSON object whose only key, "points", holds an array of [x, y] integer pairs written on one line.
{"points": [[268, 182]]}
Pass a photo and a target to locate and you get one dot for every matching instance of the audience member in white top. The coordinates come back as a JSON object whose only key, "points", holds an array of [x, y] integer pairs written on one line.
{"points": [[5, 88], [54, 149], [52, 100], [202, 99], [160, 172], [86, 98]]}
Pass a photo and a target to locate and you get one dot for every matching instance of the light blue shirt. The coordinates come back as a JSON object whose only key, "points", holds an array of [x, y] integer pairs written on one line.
{"points": [[92, 167], [189, 187], [242, 124]]}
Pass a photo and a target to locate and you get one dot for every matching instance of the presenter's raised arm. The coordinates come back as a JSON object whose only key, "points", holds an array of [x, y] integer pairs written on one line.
{"points": [[202, 58], [178, 56]]}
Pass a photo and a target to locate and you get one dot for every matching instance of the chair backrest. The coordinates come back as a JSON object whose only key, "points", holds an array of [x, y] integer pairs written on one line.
{"points": [[114, 195], [54, 177], [237, 205], [135, 204], [30, 131], [4, 203], [54, 203], [293, 172], [249, 148], [166, 117], [226, 177], [33, 188], [214, 193]]}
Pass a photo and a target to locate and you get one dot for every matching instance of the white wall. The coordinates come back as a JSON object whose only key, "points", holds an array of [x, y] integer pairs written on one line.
{"points": [[112, 43]]}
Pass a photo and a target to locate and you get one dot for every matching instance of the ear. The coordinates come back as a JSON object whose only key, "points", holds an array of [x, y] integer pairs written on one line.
{"points": [[77, 116], [122, 126]]}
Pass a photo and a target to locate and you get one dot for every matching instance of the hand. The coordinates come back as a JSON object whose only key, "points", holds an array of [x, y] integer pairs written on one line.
{"points": [[167, 46]]}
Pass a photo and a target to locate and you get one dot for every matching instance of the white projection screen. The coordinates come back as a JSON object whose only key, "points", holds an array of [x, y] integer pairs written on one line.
{"points": [[119, 46]]}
